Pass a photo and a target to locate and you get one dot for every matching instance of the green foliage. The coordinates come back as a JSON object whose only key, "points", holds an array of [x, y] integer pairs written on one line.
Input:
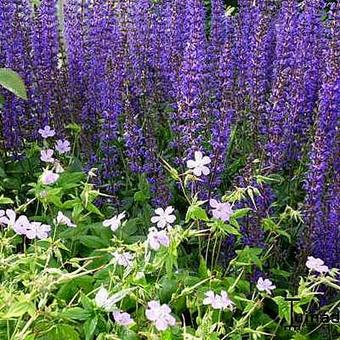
{"points": [[12, 82], [48, 287]]}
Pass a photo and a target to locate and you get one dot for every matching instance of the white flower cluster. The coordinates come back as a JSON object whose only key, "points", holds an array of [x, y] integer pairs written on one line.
{"points": [[32, 230], [22, 226], [49, 177]]}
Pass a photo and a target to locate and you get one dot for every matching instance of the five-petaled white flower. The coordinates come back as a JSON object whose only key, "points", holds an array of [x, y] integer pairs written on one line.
{"points": [[157, 238], [63, 146], [47, 156], [46, 132], [123, 259], [163, 217], [210, 299], [22, 225], [317, 265], [62, 219], [7, 217], [38, 230], [265, 285], [115, 222], [199, 165], [160, 315], [103, 300], [220, 210], [122, 318], [218, 301], [49, 177]]}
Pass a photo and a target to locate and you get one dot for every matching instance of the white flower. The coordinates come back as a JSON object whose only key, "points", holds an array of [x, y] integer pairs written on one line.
{"points": [[38, 230], [63, 146], [199, 164], [49, 177], [7, 217], [218, 301], [160, 315], [164, 217], [123, 319], [317, 265], [157, 238], [47, 155], [62, 219], [223, 301], [265, 285], [22, 225], [220, 210], [123, 259], [103, 300], [46, 132], [210, 299], [115, 222], [58, 168]]}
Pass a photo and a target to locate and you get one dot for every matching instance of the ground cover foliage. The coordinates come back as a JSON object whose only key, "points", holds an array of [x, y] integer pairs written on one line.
{"points": [[169, 169]]}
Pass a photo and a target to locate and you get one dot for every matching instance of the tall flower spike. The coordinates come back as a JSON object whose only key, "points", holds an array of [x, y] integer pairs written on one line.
{"points": [[305, 80], [74, 31], [224, 112], [324, 143], [278, 112], [15, 34], [188, 124], [46, 49]]}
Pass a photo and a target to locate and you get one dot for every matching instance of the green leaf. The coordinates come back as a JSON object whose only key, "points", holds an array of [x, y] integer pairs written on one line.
{"points": [[75, 313], [12, 82], [94, 242], [19, 309], [196, 213], [89, 327], [240, 213], [60, 331], [284, 307], [5, 200]]}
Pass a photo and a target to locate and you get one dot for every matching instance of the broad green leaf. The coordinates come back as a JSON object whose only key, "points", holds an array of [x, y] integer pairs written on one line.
{"points": [[240, 213], [12, 82], [94, 242], [75, 313], [284, 307], [5, 200], [196, 213], [89, 327]]}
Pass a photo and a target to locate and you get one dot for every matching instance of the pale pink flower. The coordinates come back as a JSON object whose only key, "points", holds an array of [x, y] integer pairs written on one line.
{"points": [[49, 177], [103, 300], [160, 315], [7, 217], [115, 222], [123, 319], [156, 239], [199, 165], [62, 219], [218, 301], [123, 259], [38, 230], [317, 265], [210, 298], [47, 156], [22, 225], [221, 211], [265, 285], [224, 302], [46, 132], [63, 146], [163, 217]]}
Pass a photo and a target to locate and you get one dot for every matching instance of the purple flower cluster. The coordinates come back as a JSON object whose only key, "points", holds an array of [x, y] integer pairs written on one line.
{"points": [[149, 79]]}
